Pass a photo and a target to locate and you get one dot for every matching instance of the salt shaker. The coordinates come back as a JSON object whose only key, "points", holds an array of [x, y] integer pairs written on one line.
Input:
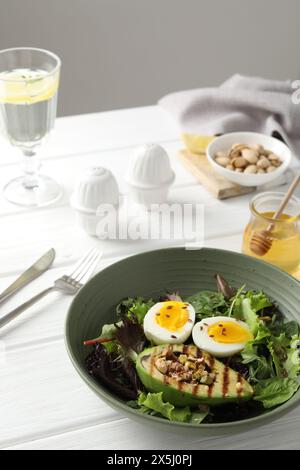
{"points": [[149, 175], [97, 187]]}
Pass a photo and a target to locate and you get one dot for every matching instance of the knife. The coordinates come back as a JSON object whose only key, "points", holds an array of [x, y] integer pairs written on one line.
{"points": [[38, 268]]}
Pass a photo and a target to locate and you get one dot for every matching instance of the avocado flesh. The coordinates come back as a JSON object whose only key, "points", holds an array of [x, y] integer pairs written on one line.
{"points": [[223, 390]]}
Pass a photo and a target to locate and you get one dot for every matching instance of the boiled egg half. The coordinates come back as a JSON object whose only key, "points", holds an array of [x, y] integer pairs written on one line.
{"points": [[221, 336], [169, 322]]}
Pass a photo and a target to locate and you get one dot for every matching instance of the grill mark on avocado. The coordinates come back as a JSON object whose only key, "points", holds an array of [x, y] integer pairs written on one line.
{"points": [[239, 380], [211, 364], [195, 389], [225, 381]]}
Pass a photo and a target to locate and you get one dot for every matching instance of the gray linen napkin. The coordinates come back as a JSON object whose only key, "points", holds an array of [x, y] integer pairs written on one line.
{"points": [[240, 104]]}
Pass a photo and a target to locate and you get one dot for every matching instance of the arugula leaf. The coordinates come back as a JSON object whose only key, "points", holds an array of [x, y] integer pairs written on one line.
{"points": [[277, 347], [262, 369], [290, 328], [208, 304], [260, 366], [153, 402], [275, 391]]}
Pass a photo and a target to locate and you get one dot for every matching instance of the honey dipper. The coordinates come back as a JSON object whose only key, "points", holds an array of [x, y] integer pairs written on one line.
{"points": [[261, 242]]}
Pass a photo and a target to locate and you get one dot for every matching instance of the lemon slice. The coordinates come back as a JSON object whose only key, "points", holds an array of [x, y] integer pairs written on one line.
{"points": [[27, 87], [197, 143]]}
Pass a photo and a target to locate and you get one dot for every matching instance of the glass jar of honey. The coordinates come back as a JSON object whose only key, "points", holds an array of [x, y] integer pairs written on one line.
{"points": [[284, 250]]}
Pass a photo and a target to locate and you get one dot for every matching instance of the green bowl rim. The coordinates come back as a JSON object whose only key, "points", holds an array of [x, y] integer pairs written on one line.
{"points": [[100, 390]]}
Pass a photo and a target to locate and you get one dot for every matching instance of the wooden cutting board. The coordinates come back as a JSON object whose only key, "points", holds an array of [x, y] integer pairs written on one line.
{"points": [[218, 186]]}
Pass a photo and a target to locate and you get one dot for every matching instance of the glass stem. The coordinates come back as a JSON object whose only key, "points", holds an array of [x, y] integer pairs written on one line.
{"points": [[30, 168]]}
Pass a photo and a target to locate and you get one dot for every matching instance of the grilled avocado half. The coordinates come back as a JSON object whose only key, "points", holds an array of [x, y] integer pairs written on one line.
{"points": [[225, 384]]}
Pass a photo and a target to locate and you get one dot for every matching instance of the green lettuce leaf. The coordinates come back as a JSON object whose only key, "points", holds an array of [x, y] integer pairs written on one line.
{"points": [[251, 351], [109, 332], [275, 391], [250, 305], [292, 362], [249, 316], [137, 308], [258, 300], [263, 333], [153, 402]]}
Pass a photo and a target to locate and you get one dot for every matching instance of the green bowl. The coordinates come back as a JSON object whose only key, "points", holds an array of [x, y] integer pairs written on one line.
{"points": [[151, 274]]}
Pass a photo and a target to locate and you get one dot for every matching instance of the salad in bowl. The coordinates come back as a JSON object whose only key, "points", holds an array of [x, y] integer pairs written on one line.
{"points": [[216, 356]]}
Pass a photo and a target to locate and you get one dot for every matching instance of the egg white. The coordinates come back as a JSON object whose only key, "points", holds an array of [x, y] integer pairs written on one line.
{"points": [[159, 335], [203, 341]]}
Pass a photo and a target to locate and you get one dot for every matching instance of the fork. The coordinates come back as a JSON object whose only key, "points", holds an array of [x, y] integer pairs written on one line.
{"points": [[67, 284]]}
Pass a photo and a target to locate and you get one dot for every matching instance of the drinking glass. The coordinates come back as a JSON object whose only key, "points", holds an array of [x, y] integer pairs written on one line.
{"points": [[285, 249], [29, 80]]}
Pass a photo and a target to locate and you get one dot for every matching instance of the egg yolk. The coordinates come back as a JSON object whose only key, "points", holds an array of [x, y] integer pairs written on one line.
{"points": [[173, 315], [229, 332]]}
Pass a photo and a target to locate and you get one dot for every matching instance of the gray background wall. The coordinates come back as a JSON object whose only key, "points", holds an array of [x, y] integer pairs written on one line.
{"points": [[123, 53]]}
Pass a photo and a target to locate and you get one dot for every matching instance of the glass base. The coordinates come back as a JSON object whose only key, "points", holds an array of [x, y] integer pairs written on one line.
{"points": [[46, 191]]}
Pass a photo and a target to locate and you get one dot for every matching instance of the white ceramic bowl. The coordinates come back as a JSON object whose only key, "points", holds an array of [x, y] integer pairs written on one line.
{"points": [[225, 142]]}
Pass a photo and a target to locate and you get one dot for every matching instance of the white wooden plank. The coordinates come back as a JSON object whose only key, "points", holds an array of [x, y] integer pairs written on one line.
{"points": [[41, 394], [124, 434], [100, 131], [41, 231]]}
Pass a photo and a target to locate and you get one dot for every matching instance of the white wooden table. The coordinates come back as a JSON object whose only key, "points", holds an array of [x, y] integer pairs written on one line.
{"points": [[43, 403]]}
